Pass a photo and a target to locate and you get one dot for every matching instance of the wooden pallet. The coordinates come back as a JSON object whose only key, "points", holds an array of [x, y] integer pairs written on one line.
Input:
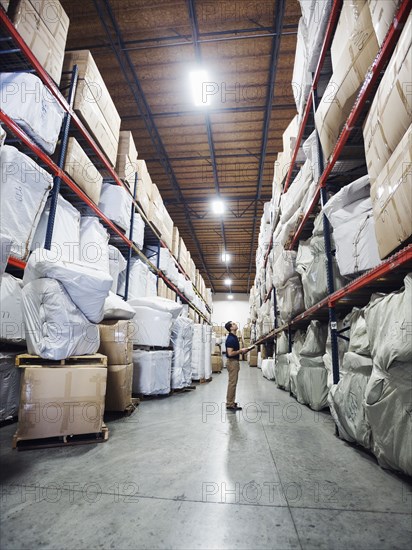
{"points": [[144, 397], [96, 360], [60, 441], [129, 410]]}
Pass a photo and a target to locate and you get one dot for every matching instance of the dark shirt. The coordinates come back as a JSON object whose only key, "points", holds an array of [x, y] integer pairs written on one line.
{"points": [[232, 341]]}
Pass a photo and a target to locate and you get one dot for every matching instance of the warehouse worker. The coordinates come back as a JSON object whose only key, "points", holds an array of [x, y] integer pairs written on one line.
{"points": [[233, 365]]}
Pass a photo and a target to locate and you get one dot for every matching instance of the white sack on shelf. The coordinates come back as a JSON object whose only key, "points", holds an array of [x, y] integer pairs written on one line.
{"points": [[87, 287], [315, 340], [198, 356], [151, 372], [389, 322], [151, 327], [312, 384], [282, 371], [159, 304], [137, 280], [268, 369], [302, 78], [165, 261], [116, 308], [207, 337], [294, 360], [117, 264], [181, 339], [347, 397], [94, 243], [294, 197], [358, 336], [11, 309], [116, 203], [5, 246], [151, 285], [138, 230], [25, 99], [348, 202], [388, 410], [66, 231], [290, 299], [9, 386], [55, 327], [282, 344], [284, 267], [24, 188]]}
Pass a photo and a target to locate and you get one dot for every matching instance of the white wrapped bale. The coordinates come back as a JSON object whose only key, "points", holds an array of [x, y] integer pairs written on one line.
{"points": [[116, 308], [151, 372], [151, 327], [181, 339], [55, 327], [11, 307], [25, 99], [294, 360], [24, 187], [66, 231], [268, 369], [138, 230], [207, 337], [138, 274], [346, 400], [94, 243], [290, 299], [282, 371], [117, 264], [87, 287], [116, 203], [198, 355]]}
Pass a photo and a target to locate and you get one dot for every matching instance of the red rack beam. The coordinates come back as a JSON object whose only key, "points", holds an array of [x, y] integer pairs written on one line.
{"points": [[16, 262], [333, 19]]}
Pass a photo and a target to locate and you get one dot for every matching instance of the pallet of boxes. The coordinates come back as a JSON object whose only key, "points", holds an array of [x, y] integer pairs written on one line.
{"points": [[217, 360], [252, 356]]}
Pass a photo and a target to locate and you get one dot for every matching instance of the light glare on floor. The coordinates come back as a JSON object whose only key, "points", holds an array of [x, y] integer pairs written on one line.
{"points": [[230, 296]]}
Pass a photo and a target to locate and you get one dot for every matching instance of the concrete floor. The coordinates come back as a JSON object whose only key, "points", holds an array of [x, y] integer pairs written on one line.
{"points": [[182, 473]]}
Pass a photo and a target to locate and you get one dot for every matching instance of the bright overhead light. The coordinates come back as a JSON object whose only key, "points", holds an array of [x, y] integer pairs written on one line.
{"points": [[230, 296], [228, 282], [200, 84], [226, 257], [218, 206]]}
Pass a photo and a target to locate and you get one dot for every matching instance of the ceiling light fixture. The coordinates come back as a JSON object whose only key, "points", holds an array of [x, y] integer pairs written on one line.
{"points": [[218, 206], [226, 257], [228, 282], [199, 82]]}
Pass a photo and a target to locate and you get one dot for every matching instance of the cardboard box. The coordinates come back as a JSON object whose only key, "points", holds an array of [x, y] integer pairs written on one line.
{"points": [[390, 113], [127, 146], [116, 341], [183, 255], [175, 242], [58, 401], [126, 164], [44, 27], [119, 387], [82, 171], [382, 14], [93, 102], [217, 363], [353, 50], [162, 288], [392, 199]]}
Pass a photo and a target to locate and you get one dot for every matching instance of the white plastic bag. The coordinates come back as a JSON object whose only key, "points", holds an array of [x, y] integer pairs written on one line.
{"points": [[116, 203], [55, 327], [94, 243], [181, 339], [151, 327], [151, 372], [116, 308], [159, 304], [117, 264], [11, 308]]}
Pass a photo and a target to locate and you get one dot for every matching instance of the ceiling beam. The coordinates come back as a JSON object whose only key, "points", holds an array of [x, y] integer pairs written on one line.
{"points": [[274, 56], [114, 35]]}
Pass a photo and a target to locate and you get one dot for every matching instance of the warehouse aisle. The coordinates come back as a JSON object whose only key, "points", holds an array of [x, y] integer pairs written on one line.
{"points": [[181, 473]]}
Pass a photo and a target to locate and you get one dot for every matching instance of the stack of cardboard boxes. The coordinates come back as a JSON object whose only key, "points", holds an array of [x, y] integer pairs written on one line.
{"points": [[126, 164], [163, 291], [116, 342], [82, 171], [217, 360]]}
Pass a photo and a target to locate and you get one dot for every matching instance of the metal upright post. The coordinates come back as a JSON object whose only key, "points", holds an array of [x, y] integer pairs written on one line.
{"points": [[129, 255], [54, 195], [333, 325]]}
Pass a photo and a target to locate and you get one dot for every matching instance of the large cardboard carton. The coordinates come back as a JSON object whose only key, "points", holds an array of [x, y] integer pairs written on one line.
{"points": [[44, 27], [353, 50], [391, 111], [382, 14], [183, 255], [59, 401], [116, 341], [83, 172], [119, 387], [217, 363], [392, 198], [93, 102], [175, 242]]}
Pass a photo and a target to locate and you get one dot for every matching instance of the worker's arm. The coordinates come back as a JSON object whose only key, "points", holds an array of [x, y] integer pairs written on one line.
{"points": [[232, 353]]}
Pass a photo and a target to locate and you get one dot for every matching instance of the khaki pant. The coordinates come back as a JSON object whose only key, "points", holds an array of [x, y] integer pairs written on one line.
{"points": [[233, 367]]}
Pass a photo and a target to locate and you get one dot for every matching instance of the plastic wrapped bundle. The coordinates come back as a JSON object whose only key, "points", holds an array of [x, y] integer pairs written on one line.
{"points": [[181, 338], [11, 322], [302, 78], [346, 399], [282, 371], [316, 16], [358, 336], [94, 243], [294, 359], [116, 203], [87, 287], [55, 327], [151, 327], [388, 322], [284, 267], [388, 411], [151, 372], [117, 264], [207, 337], [25, 99], [159, 304], [290, 299], [137, 280], [138, 230], [295, 195], [66, 231], [198, 355], [151, 285], [116, 308], [268, 369], [9, 386], [24, 188]]}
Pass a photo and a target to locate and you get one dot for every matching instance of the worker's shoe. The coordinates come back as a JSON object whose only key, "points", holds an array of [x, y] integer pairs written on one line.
{"points": [[234, 408]]}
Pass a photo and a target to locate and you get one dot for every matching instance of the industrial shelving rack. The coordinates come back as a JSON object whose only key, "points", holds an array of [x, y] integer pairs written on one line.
{"points": [[15, 56], [389, 274]]}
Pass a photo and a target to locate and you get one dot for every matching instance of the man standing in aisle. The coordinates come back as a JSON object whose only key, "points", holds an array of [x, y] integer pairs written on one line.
{"points": [[233, 365]]}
